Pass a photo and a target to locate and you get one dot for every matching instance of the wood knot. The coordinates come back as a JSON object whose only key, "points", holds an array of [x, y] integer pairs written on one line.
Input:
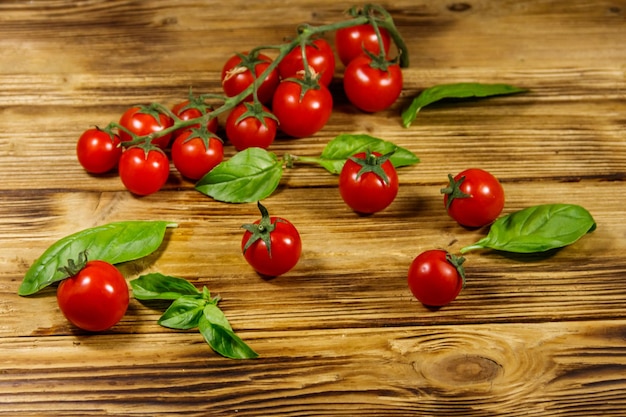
{"points": [[459, 7], [462, 371]]}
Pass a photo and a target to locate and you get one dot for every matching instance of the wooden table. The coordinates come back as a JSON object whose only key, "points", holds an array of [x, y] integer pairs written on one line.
{"points": [[340, 334]]}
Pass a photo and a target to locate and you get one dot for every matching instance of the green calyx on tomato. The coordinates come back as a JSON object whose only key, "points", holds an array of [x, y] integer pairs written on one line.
{"points": [[261, 231], [202, 133], [457, 262], [372, 163], [257, 111], [453, 190], [73, 267]]}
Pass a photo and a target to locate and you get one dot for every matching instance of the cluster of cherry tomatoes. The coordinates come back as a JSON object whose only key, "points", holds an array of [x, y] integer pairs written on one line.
{"points": [[262, 97]]}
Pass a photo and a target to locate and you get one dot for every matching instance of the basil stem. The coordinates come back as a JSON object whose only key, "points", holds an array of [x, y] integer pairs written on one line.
{"points": [[537, 229], [457, 90], [250, 175], [114, 243]]}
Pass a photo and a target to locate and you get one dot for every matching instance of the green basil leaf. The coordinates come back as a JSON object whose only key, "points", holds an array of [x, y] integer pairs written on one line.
{"points": [[114, 243], [215, 315], [157, 286], [338, 150], [184, 313], [250, 175], [457, 90], [537, 229], [224, 341]]}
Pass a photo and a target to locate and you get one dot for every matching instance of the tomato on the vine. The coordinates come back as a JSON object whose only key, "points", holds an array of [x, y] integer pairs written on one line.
{"points": [[98, 151], [271, 245], [436, 277], [195, 152], [187, 110], [143, 171], [146, 120], [474, 197], [319, 56], [368, 182], [237, 76], [372, 84], [251, 126], [352, 41], [94, 297], [302, 115]]}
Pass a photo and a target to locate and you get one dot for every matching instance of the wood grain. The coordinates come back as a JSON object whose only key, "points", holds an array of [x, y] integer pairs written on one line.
{"points": [[341, 334]]}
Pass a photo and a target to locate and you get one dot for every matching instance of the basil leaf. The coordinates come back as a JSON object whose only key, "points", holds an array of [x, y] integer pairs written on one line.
{"points": [[537, 229], [184, 313], [215, 315], [458, 90], [224, 341], [338, 150], [161, 287], [250, 175], [114, 243]]}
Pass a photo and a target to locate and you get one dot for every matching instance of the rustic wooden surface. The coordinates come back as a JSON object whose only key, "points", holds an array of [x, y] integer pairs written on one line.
{"points": [[341, 333]]}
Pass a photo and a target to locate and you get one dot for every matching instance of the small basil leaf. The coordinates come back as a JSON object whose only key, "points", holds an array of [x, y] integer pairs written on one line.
{"points": [[216, 316], [114, 243], [251, 175], [457, 90], [224, 341], [537, 229], [157, 286], [338, 150], [184, 313]]}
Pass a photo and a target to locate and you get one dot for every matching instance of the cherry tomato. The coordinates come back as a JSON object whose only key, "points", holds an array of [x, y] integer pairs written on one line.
{"points": [[319, 56], [300, 117], [144, 121], [236, 76], [95, 298], [271, 245], [351, 41], [250, 131], [98, 151], [194, 156], [372, 89], [143, 172], [474, 198], [436, 277], [368, 182], [186, 110]]}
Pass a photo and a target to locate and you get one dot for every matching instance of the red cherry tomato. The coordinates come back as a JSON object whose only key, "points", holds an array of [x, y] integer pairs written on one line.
{"points": [[250, 131], [368, 183], [474, 198], [236, 76], [301, 116], [271, 245], [185, 110], [371, 89], [142, 121], [142, 172], [98, 151], [351, 41], [436, 277], [194, 156], [94, 299], [319, 56]]}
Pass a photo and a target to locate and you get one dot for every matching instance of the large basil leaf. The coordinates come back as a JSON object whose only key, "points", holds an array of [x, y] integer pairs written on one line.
{"points": [[537, 229], [215, 315], [224, 341], [250, 175], [338, 150], [184, 313], [114, 243], [157, 286], [457, 90]]}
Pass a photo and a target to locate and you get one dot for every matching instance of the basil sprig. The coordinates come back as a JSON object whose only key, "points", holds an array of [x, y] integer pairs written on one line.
{"points": [[113, 242], [456, 90], [254, 173], [537, 229], [192, 309]]}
